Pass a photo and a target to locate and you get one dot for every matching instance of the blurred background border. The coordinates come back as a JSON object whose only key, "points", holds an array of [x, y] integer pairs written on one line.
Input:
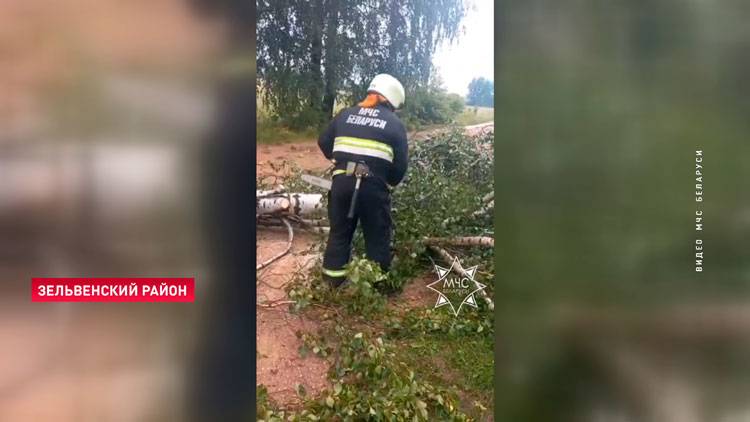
{"points": [[601, 107]]}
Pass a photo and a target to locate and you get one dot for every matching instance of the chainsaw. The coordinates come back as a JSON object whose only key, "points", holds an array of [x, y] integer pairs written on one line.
{"points": [[317, 181], [359, 170]]}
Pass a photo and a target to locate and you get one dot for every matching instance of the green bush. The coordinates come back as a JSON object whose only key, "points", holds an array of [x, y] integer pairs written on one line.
{"points": [[424, 106], [456, 103], [430, 105]]}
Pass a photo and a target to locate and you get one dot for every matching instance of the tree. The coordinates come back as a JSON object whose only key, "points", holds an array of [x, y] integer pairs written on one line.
{"points": [[481, 93], [312, 52], [430, 104]]}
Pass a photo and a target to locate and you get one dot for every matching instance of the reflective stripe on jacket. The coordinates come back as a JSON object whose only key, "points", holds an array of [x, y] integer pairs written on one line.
{"points": [[373, 135]]}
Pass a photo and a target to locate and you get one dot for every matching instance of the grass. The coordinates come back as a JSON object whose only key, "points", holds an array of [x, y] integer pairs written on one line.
{"points": [[467, 364], [270, 132], [475, 115]]}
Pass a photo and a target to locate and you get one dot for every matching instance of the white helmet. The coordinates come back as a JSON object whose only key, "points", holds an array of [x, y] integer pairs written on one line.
{"points": [[389, 87]]}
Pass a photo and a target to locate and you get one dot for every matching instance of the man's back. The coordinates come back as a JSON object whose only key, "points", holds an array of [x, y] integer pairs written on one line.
{"points": [[373, 135]]}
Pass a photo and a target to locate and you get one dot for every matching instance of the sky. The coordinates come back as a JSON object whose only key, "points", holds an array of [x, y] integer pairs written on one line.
{"points": [[473, 54]]}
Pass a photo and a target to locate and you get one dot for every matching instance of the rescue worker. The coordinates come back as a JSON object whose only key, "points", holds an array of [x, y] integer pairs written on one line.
{"points": [[368, 140]]}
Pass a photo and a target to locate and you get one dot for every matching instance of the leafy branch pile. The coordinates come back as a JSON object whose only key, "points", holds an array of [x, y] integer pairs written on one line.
{"points": [[445, 202], [364, 342], [444, 196], [371, 384], [444, 207]]}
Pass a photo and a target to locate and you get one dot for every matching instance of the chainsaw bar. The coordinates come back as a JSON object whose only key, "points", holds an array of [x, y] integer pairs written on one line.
{"points": [[317, 181]]}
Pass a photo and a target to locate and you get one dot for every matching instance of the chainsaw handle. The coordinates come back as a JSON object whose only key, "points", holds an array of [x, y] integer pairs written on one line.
{"points": [[354, 198]]}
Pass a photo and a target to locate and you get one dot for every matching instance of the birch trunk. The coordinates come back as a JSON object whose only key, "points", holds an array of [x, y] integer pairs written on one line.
{"points": [[293, 203], [460, 270], [461, 241]]}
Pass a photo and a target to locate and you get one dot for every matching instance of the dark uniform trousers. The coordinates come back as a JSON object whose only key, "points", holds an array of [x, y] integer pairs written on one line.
{"points": [[376, 137], [372, 210]]}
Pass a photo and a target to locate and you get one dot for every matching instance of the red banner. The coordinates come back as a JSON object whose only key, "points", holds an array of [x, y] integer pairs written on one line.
{"points": [[113, 290]]}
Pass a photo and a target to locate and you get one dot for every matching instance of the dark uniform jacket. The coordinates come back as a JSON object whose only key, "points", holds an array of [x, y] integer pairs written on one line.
{"points": [[373, 135]]}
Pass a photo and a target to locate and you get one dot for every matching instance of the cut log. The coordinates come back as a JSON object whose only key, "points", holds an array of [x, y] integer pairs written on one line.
{"points": [[460, 271], [272, 205], [461, 241], [292, 203]]}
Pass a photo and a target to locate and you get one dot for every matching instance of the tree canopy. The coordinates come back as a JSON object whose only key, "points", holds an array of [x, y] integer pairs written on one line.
{"points": [[310, 53], [481, 92]]}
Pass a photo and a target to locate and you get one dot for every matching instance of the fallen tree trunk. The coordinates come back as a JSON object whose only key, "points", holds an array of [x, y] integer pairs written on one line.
{"points": [[315, 223], [461, 241], [314, 227], [487, 211], [291, 203], [317, 230], [266, 193], [273, 221], [460, 270]]}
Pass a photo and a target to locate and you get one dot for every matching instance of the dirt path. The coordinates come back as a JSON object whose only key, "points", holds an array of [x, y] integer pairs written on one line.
{"points": [[481, 128], [279, 365], [415, 294], [305, 153]]}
